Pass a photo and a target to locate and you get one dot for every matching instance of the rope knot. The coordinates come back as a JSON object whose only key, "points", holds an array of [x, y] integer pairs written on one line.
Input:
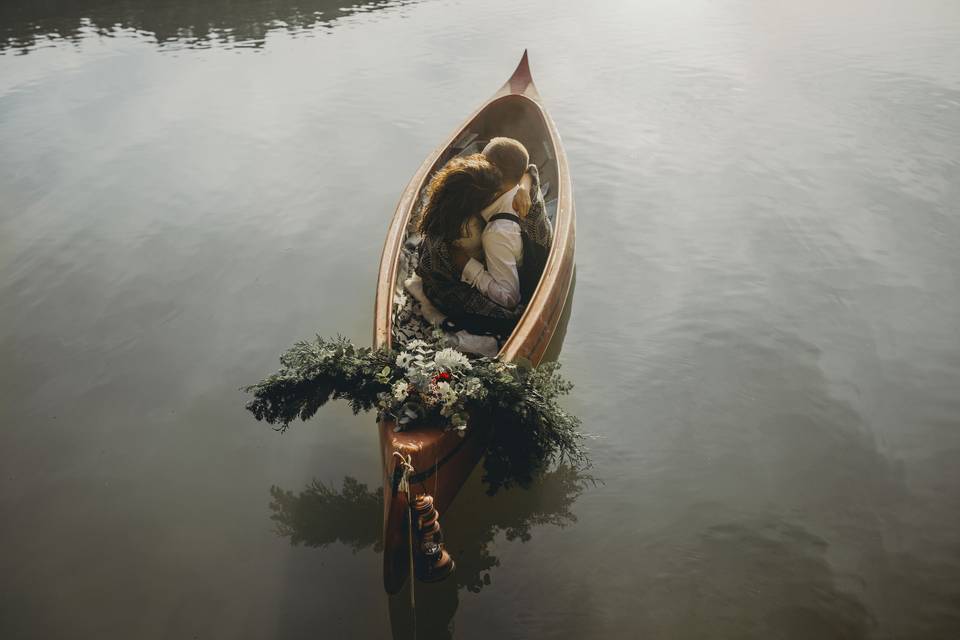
{"points": [[406, 463]]}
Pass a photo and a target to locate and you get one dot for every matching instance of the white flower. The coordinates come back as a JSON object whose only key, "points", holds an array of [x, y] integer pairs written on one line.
{"points": [[420, 345], [451, 360], [400, 390], [404, 359], [447, 394]]}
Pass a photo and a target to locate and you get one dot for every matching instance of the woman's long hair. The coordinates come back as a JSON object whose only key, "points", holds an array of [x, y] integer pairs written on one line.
{"points": [[462, 188]]}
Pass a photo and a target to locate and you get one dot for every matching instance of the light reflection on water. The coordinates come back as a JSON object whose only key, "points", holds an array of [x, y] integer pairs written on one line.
{"points": [[764, 339]]}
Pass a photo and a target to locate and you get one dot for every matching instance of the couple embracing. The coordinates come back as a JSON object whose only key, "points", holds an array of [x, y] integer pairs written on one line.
{"points": [[485, 238]]}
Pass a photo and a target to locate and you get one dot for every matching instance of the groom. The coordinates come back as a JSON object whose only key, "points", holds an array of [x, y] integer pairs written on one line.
{"points": [[497, 279]]}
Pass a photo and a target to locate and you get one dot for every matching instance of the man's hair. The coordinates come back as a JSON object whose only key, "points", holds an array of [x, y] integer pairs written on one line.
{"points": [[509, 156], [463, 187]]}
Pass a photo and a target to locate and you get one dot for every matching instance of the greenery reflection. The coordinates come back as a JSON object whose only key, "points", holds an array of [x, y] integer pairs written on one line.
{"points": [[25, 24], [320, 515]]}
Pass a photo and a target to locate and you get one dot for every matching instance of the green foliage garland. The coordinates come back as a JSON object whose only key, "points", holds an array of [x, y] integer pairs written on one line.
{"points": [[426, 383]]}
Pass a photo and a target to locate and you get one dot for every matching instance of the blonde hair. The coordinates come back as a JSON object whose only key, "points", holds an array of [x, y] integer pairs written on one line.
{"points": [[509, 156]]}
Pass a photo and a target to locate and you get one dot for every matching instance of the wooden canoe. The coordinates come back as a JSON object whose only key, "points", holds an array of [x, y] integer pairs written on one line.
{"points": [[443, 460]]}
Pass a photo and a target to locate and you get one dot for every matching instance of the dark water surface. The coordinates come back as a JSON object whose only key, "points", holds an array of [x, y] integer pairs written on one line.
{"points": [[765, 336]]}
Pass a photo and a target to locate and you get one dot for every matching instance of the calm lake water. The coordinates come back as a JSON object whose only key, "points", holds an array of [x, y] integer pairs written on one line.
{"points": [[765, 336]]}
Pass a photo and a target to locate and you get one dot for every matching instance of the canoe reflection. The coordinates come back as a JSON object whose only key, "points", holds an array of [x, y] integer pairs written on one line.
{"points": [[320, 515]]}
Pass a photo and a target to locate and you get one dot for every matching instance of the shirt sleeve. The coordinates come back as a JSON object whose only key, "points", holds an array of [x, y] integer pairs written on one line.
{"points": [[500, 281]]}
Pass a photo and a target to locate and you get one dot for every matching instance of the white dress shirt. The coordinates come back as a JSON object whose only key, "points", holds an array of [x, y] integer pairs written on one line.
{"points": [[503, 251]]}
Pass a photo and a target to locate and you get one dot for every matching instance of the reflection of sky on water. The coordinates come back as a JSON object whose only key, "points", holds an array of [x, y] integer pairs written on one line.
{"points": [[26, 25], [764, 338]]}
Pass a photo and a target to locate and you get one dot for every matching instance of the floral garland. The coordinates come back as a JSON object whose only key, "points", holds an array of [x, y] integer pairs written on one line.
{"points": [[430, 382], [425, 383]]}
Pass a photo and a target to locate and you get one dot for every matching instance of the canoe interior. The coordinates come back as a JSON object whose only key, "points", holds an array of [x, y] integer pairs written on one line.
{"points": [[519, 117], [514, 116]]}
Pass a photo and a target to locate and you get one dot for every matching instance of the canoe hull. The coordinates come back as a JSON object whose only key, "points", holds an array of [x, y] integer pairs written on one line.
{"points": [[442, 460]]}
